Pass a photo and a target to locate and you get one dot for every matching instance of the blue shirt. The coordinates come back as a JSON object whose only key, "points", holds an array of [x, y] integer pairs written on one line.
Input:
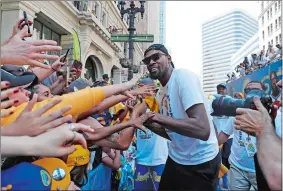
{"points": [[239, 155], [152, 149]]}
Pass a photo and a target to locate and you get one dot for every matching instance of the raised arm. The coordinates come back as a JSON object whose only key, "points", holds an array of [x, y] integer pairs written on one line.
{"points": [[107, 103], [43, 73], [269, 145], [157, 129]]}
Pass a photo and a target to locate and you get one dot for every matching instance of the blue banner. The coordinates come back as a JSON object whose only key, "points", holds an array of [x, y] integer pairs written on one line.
{"points": [[268, 76]]}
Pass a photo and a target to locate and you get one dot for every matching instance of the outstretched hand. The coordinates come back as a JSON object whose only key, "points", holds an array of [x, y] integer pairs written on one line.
{"points": [[53, 142], [138, 122], [21, 52], [148, 90], [37, 123], [4, 95]]}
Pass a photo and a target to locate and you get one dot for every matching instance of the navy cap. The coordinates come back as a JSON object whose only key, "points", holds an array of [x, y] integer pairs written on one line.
{"points": [[221, 85], [14, 69], [78, 84], [159, 47], [27, 78], [105, 76], [26, 176], [146, 81]]}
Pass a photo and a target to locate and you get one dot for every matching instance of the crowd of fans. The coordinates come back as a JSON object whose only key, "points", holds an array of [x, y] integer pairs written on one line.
{"points": [[61, 132], [255, 62], [52, 136]]}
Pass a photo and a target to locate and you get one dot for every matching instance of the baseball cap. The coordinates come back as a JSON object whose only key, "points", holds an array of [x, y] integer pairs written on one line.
{"points": [[221, 85], [105, 76], [78, 158], [26, 79], [146, 81], [14, 69], [58, 171], [26, 176], [159, 47], [78, 84]]}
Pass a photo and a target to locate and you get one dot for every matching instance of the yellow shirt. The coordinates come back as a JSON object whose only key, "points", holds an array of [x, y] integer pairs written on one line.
{"points": [[81, 101], [151, 103]]}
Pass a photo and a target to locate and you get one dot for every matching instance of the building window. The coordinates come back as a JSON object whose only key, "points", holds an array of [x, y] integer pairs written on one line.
{"points": [[271, 12], [268, 43], [263, 35], [271, 29], [40, 31], [280, 39], [267, 15], [268, 29], [96, 9], [262, 6], [276, 39], [271, 42], [275, 7], [279, 20], [276, 24], [279, 5], [262, 20], [104, 19]]}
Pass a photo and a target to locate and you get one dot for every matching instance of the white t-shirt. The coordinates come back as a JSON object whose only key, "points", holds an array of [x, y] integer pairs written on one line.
{"points": [[242, 71], [278, 123], [220, 122], [243, 147], [183, 91], [152, 149]]}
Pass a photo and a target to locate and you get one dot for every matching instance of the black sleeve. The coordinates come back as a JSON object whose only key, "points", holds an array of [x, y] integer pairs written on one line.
{"points": [[261, 181]]}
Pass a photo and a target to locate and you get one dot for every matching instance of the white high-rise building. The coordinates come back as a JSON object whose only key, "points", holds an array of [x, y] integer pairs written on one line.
{"points": [[162, 22], [269, 22], [250, 47], [222, 36]]}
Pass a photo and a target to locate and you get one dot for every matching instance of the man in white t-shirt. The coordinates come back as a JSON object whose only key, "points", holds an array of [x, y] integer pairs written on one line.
{"points": [[194, 160], [152, 153]]}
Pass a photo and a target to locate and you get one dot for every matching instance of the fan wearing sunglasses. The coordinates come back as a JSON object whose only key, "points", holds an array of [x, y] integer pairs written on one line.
{"points": [[183, 116], [243, 148]]}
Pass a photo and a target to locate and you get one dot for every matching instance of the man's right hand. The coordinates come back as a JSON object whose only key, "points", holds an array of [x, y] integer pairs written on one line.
{"points": [[32, 123]]}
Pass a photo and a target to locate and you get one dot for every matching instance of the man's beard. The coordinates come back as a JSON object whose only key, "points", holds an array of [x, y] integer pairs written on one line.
{"points": [[159, 75]]}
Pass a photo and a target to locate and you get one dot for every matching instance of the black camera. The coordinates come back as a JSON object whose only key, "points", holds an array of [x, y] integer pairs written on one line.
{"points": [[226, 106]]}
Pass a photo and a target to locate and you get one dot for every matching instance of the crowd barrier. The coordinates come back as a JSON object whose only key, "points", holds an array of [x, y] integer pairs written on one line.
{"points": [[262, 75]]}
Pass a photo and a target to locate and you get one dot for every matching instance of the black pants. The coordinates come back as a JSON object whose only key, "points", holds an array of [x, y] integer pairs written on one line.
{"points": [[190, 177], [225, 152]]}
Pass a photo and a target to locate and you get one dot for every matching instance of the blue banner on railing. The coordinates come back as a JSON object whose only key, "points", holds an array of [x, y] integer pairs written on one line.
{"points": [[269, 76]]}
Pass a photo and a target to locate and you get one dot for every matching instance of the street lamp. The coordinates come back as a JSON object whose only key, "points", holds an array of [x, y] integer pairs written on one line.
{"points": [[131, 11]]}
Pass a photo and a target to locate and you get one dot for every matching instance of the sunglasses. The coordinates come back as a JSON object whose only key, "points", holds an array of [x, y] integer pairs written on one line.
{"points": [[153, 57]]}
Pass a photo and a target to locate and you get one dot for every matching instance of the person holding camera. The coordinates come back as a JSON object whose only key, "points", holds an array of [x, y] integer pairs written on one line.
{"points": [[268, 161], [241, 175]]}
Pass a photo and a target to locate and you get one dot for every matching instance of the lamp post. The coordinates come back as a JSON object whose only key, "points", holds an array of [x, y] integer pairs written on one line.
{"points": [[131, 11]]}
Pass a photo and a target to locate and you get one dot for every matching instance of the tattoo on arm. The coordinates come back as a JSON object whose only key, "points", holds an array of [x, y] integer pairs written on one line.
{"points": [[113, 138], [156, 128]]}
